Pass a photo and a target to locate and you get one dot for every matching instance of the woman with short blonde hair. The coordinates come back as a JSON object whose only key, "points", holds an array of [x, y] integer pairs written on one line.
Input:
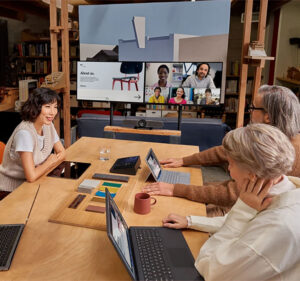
{"points": [[262, 149], [257, 239]]}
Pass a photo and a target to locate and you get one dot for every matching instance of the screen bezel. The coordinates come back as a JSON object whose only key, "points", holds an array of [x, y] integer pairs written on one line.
{"points": [[192, 104], [110, 203]]}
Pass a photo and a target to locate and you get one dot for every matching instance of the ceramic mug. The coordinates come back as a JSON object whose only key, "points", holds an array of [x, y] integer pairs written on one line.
{"points": [[142, 203]]}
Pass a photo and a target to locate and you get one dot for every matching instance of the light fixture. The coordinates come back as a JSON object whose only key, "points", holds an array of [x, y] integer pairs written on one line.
{"points": [[58, 5]]}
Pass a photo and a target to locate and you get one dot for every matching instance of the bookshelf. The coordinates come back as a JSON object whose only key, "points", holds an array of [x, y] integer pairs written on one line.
{"points": [[232, 98], [34, 59]]}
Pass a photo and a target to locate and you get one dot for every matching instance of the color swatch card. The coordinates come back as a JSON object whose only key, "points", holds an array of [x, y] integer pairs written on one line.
{"points": [[95, 209], [100, 196], [87, 185], [111, 184], [110, 189]]}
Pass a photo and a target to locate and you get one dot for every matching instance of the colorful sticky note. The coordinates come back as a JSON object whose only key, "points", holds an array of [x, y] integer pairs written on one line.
{"points": [[111, 184]]}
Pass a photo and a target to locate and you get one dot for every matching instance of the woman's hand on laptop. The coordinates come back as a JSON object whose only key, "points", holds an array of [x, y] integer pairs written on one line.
{"points": [[159, 188], [172, 162], [175, 221]]}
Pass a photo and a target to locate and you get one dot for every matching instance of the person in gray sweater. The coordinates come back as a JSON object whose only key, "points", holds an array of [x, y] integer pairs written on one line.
{"points": [[27, 154]]}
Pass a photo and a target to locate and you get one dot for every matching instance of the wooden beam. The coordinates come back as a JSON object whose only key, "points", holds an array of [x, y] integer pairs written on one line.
{"points": [[158, 132], [33, 7], [53, 37], [66, 70], [244, 65], [12, 14], [261, 39], [262, 21], [54, 52]]}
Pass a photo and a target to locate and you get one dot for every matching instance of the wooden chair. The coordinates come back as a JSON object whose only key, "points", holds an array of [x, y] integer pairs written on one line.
{"points": [[129, 68], [2, 147]]}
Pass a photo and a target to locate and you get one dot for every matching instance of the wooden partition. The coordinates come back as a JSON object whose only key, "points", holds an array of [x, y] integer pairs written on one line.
{"points": [[61, 32]]}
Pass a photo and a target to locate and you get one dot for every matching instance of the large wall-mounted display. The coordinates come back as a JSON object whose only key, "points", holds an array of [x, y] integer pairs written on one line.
{"points": [[178, 34]]}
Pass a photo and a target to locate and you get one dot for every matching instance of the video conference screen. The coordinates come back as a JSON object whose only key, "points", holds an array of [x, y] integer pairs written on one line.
{"points": [[197, 83], [169, 83]]}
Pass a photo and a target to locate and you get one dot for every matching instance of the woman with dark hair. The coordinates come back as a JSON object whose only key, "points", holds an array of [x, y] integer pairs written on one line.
{"points": [[201, 79], [163, 73], [27, 154], [157, 97], [180, 97]]}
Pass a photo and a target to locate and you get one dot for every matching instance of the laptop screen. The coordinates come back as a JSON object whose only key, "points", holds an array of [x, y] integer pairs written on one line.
{"points": [[153, 163], [118, 233]]}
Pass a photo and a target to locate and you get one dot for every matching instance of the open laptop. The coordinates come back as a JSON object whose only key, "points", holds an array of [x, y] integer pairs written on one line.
{"points": [[10, 235], [161, 175], [149, 253]]}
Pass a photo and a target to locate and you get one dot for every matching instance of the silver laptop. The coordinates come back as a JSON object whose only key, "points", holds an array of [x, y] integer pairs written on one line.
{"points": [[161, 175]]}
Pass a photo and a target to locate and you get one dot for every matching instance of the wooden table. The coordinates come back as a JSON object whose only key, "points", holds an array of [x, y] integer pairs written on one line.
{"points": [[50, 251]]}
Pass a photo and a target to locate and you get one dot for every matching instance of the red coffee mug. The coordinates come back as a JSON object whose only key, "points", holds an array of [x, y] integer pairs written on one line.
{"points": [[142, 203]]}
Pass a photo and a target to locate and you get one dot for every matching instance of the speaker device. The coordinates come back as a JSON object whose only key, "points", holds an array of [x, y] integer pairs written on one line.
{"points": [[143, 124]]}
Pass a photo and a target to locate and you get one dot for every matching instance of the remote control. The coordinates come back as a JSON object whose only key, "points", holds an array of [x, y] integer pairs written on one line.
{"points": [[111, 177]]}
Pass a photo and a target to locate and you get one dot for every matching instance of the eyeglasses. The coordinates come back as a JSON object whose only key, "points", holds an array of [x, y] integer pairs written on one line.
{"points": [[252, 108]]}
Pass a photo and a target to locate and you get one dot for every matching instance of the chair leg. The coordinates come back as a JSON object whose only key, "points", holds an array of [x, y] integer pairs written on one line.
{"points": [[136, 85], [113, 84], [121, 85]]}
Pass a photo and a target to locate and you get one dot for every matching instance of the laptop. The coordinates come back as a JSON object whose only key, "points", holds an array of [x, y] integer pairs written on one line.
{"points": [[149, 253], [161, 175], [10, 235]]}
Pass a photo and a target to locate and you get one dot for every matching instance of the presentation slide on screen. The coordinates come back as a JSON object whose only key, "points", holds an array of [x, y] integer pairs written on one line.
{"points": [[104, 81]]}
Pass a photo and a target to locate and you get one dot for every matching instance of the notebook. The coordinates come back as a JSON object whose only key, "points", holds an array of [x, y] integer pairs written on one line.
{"points": [[149, 253], [161, 175]]}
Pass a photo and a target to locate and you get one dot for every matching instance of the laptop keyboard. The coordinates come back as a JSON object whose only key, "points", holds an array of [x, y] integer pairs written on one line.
{"points": [[175, 177], [151, 251], [9, 238]]}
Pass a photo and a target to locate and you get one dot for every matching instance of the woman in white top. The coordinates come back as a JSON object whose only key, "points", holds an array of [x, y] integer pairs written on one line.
{"points": [[27, 154], [259, 238]]}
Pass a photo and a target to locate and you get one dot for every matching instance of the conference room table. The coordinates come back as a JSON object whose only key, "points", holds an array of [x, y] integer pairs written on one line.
{"points": [[52, 251]]}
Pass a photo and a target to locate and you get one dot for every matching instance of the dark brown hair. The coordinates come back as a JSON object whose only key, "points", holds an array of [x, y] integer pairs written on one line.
{"points": [[31, 109]]}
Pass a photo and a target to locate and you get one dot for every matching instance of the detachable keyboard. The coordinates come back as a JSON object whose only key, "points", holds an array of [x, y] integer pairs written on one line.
{"points": [[151, 252], [9, 239], [174, 177]]}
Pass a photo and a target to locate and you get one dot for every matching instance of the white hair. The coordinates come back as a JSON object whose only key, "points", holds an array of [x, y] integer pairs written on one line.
{"points": [[283, 108], [261, 149]]}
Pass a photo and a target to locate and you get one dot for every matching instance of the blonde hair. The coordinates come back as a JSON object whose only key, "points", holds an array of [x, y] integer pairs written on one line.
{"points": [[261, 149], [283, 108]]}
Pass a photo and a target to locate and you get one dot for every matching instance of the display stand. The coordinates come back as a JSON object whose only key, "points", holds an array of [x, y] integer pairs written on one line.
{"points": [[179, 117], [111, 114]]}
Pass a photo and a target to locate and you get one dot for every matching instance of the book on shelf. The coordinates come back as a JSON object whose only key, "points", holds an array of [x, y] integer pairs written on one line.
{"points": [[232, 104], [232, 86], [249, 87], [33, 49]]}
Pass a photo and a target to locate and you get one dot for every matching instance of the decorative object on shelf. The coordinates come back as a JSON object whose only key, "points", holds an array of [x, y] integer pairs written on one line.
{"points": [[54, 81], [256, 49], [8, 97], [293, 73]]}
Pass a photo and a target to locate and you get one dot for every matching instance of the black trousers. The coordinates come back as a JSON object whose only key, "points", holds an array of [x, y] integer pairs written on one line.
{"points": [[3, 194]]}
